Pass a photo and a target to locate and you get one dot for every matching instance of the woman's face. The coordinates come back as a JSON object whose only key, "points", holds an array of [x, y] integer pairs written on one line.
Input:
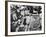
{"points": [[26, 12], [22, 12]]}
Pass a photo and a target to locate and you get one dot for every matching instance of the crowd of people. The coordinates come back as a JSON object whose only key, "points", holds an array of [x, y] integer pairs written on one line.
{"points": [[25, 18]]}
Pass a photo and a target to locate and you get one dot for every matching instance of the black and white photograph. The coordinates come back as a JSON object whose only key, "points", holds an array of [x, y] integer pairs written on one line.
{"points": [[25, 18]]}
